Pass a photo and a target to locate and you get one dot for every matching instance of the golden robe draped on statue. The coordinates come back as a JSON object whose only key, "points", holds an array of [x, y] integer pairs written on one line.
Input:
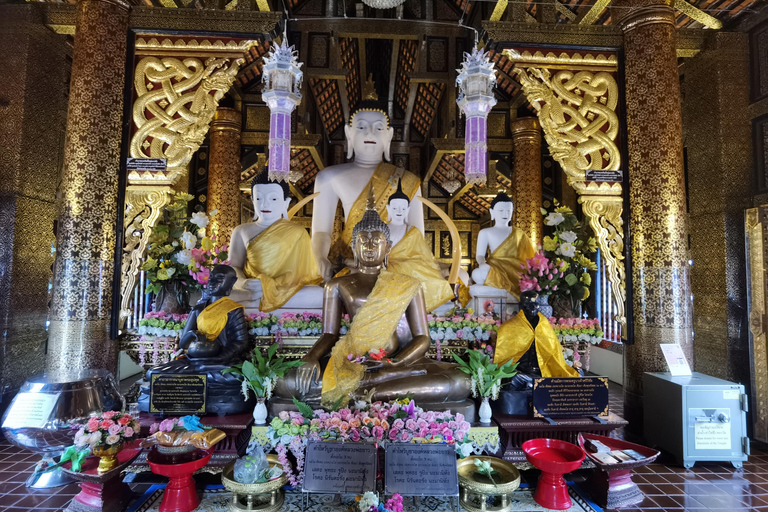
{"points": [[213, 319], [505, 262], [371, 330], [515, 337], [281, 257], [411, 257]]}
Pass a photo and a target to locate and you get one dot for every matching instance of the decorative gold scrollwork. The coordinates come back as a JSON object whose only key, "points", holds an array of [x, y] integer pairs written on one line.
{"points": [[175, 104], [577, 112], [143, 206]]}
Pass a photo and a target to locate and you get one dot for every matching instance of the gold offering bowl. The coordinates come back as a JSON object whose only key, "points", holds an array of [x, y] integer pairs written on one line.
{"points": [[479, 493], [260, 497], [107, 456]]}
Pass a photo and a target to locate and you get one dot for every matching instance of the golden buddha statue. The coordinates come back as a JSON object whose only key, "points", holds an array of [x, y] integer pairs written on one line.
{"points": [[389, 317]]}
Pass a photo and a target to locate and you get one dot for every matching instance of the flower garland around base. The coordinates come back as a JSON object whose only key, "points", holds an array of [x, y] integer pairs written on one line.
{"points": [[577, 329], [160, 323], [399, 421]]}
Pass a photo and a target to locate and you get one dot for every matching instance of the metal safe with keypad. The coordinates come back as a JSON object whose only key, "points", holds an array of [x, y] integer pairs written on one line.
{"points": [[696, 417]]}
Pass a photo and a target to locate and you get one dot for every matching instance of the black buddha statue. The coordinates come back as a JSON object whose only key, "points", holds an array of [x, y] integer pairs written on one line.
{"points": [[214, 338]]}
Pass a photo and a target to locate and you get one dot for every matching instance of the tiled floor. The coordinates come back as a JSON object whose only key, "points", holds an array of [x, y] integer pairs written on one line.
{"points": [[667, 487]]}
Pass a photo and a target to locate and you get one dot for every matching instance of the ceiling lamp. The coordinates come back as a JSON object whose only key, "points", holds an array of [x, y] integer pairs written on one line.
{"points": [[476, 81], [383, 4], [282, 78], [452, 182]]}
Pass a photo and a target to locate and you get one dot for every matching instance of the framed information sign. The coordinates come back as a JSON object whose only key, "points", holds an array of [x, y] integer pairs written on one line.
{"points": [[570, 397], [421, 470], [173, 393], [344, 468]]}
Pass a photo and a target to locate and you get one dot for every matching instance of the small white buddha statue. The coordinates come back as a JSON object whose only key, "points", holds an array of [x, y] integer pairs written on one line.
{"points": [[272, 256], [510, 247], [368, 140]]}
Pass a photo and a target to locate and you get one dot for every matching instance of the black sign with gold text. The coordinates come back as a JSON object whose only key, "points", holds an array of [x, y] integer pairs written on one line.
{"points": [[174, 393], [570, 397]]}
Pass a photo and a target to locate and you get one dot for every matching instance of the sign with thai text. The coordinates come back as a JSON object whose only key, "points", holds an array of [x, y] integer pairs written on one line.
{"points": [[421, 470], [31, 410], [344, 468], [607, 176], [175, 393], [146, 164], [570, 397]]}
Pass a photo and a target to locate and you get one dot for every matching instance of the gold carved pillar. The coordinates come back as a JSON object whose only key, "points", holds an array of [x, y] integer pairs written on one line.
{"points": [[526, 176], [81, 309], [658, 219], [224, 173]]}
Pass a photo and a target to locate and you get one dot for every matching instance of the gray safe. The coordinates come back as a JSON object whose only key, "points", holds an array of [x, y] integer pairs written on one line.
{"points": [[696, 418]]}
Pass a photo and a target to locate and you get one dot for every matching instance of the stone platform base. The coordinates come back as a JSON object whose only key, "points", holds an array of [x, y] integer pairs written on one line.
{"points": [[515, 430], [465, 407], [237, 428]]}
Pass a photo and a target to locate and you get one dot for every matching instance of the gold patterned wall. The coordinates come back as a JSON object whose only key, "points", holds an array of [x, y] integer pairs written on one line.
{"points": [[715, 102], [34, 63]]}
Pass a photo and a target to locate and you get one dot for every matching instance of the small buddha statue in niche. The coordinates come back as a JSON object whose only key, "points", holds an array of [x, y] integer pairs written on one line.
{"points": [[510, 247], [411, 256], [388, 314], [368, 137], [529, 339], [272, 256], [214, 338]]}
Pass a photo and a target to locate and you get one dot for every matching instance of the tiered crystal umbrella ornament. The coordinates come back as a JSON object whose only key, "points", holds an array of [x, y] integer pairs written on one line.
{"points": [[282, 78], [476, 81]]}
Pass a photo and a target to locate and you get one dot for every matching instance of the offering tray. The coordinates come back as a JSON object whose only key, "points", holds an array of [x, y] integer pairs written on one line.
{"points": [[180, 493], [612, 486], [261, 497], [477, 488], [554, 458]]}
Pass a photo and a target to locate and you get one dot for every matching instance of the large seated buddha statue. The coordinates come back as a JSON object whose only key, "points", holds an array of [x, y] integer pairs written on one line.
{"points": [[509, 247], [389, 317], [410, 255], [273, 256], [214, 338], [368, 140]]}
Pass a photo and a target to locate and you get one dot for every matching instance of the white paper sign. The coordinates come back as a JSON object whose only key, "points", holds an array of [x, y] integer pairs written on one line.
{"points": [[676, 361], [31, 410], [712, 436], [731, 394]]}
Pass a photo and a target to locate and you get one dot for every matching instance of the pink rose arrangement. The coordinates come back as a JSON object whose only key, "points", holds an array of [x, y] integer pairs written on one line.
{"points": [[541, 275], [111, 428], [399, 421]]}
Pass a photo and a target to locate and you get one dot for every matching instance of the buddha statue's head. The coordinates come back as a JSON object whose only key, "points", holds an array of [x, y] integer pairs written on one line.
{"points": [[501, 209], [528, 303], [221, 281], [368, 132], [270, 199], [371, 241], [399, 206]]}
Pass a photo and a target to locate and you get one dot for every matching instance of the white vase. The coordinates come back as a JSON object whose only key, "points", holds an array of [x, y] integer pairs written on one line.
{"points": [[260, 411], [485, 411]]}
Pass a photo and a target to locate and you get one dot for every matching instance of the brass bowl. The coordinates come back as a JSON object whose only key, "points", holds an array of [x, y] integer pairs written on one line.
{"points": [[507, 481], [228, 480]]}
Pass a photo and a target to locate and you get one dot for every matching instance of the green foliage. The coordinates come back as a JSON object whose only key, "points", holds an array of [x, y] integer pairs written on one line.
{"points": [[303, 408], [260, 373], [486, 374]]}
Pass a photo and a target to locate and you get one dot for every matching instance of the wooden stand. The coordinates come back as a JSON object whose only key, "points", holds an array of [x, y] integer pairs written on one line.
{"points": [[105, 492]]}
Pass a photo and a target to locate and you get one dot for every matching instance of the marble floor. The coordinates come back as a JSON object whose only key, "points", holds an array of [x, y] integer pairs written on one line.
{"points": [[667, 487]]}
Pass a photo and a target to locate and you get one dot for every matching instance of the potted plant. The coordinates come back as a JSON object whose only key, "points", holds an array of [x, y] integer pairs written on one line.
{"points": [[260, 374], [486, 378], [105, 435], [568, 247]]}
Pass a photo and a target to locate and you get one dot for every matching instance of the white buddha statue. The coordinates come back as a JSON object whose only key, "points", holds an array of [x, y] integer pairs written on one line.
{"points": [[510, 247], [368, 140], [272, 256]]}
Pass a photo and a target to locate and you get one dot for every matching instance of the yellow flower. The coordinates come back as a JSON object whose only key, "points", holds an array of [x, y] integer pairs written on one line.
{"points": [[207, 244], [549, 244], [564, 209], [586, 294], [162, 275], [184, 197], [565, 266], [586, 279], [591, 244], [150, 264]]}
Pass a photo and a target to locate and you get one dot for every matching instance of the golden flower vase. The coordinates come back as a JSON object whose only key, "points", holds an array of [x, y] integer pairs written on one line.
{"points": [[107, 456]]}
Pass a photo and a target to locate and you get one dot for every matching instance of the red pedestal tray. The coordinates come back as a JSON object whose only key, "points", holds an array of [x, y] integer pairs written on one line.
{"points": [[180, 494], [554, 458], [105, 492], [612, 486]]}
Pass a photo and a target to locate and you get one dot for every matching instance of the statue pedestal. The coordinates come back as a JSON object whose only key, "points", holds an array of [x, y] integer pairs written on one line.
{"points": [[309, 298], [505, 304]]}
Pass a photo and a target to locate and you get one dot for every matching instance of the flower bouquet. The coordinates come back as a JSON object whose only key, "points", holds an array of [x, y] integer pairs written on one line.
{"points": [[540, 274], [105, 435], [486, 378], [568, 247], [369, 502], [182, 435]]}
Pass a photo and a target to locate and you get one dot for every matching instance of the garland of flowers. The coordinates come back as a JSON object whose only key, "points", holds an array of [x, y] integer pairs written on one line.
{"points": [[577, 329], [399, 421], [462, 327], [160, 323], [290, 324]]}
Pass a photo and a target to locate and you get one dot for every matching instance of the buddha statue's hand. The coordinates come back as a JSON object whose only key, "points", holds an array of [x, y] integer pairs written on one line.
{"points": [[383, 365], [253, 285], [325, 267], [307, 374]]}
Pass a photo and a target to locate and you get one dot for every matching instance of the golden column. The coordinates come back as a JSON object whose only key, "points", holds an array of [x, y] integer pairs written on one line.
{"points": [[224, 173], [81, 309], [658, 219], [526, 176]]}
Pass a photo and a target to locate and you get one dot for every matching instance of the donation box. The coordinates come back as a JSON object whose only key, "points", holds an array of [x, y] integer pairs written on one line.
{"points": [[696, 417]]}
